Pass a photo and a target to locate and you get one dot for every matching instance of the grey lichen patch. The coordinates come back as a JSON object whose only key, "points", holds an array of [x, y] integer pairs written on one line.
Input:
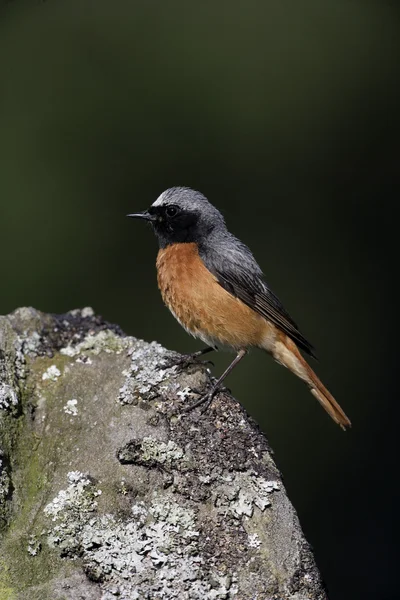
{"points": [[153, 554], [234, 492], [71, 407], [254, 540], [30, 343], [4, 480], [240, 493], [34, 545], [27, 347], [169, 511], [78, 497], [151, 453], [8, 397], [51, 374], [94, 343], [43, 335], [152, 375], [9, 385], [70, 510], [146, 372]]}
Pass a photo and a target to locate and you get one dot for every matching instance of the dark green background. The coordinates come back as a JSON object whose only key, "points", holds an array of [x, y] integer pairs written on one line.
{"points": [[286, 115]]}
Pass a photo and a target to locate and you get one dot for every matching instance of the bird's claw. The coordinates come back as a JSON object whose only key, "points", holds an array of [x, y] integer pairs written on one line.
{"points": [[205, 400]]}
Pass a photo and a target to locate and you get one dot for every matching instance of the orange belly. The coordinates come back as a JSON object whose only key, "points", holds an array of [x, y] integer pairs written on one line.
{"points": [[202, 306]]}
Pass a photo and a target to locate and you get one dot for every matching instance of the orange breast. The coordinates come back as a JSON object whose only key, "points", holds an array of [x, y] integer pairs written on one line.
{"points": [[202, 306]]}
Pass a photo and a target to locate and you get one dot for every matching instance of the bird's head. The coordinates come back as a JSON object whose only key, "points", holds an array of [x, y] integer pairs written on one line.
{"points": [[182, 215]]}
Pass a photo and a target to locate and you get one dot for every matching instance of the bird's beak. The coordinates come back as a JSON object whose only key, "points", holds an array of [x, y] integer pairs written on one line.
{"points": [[144, 215]]}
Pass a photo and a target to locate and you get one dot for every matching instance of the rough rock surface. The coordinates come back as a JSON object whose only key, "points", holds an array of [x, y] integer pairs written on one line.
{"points": [[108, 491]]}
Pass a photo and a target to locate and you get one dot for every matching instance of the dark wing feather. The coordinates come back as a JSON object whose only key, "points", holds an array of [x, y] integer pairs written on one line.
{"points": [[254, 292]]}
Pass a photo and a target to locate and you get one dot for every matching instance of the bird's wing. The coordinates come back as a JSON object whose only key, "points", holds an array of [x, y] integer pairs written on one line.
{"points": [[241, 276]]}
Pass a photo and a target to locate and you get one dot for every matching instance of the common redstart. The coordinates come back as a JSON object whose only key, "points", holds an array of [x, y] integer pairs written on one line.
{"points": [[214, 287]]}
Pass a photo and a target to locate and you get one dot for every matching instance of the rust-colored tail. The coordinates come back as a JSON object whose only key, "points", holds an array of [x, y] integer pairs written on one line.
{"points": [[287, 354]]}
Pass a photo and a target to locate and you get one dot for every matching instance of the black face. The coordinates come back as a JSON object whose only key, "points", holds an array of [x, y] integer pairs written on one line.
{"points": [[173, 224]]}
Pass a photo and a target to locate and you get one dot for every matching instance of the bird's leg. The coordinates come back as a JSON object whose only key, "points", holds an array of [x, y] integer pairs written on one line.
{"points": [[207, 398], [187, 359]]}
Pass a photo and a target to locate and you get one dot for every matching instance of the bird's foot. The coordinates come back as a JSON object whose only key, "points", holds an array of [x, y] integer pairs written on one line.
{"points": [[204, 401], [185, 360]]}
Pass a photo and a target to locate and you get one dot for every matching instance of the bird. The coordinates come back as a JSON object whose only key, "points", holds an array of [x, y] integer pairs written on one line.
{"points": [[214, 287]]}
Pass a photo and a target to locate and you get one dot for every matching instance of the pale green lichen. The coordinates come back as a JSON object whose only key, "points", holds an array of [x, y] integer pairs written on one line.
{"points": [[145, 373], [51, 374], [103, 341], [8, 396], [78, 497], [30, 343], [254, 540], [171, 512], [34, 545], [26, 346], [153, 453], [239, 493], [160, 452], [71, 407], [145, 554]]}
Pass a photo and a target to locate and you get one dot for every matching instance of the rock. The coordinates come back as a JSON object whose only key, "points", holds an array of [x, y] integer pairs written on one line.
{"points": [[108, 490]]}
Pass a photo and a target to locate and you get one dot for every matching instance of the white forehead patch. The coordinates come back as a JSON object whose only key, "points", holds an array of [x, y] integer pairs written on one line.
{"points": [[160, 200]]}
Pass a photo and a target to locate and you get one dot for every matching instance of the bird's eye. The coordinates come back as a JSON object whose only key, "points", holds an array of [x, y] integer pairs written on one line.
{"points": [[171, 210]]}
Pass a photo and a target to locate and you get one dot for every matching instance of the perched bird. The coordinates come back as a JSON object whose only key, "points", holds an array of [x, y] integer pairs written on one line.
{"points": [[214, 287]]}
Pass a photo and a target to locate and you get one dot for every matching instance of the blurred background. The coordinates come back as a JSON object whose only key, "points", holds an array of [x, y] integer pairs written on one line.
{"points": [[286, 115]]}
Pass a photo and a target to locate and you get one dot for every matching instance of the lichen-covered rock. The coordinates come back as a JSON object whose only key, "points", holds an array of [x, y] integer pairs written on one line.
{"points": [[108, 490]]}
